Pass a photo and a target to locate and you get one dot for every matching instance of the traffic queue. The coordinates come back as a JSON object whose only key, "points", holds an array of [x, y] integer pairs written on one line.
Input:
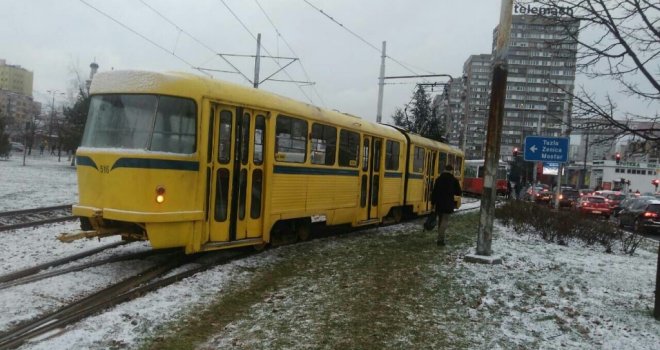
{"points": [[638, 211]]}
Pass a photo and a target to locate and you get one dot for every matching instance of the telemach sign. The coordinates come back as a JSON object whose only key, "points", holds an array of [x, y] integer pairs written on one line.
{"points": [[542, 11]]}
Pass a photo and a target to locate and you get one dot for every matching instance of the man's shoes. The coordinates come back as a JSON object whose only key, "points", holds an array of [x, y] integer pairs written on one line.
{"points": [[441, 243]]}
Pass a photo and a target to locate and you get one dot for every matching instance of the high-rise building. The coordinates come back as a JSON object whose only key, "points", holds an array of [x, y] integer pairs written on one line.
{"points": [[449, 105], [477, 71], [541, 77], [16, 103], [541, 63], [15, 79]]}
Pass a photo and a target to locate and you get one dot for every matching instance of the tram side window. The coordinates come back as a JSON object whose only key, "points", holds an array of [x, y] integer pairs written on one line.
{"points": [[224, 145], [174, 129], [259, 135], [392, 155], [291, 145], [418, 160], [470, 171], [501, 173], [451, 159], [459, 165], [324, 144], [349, 148], [443, 161]]}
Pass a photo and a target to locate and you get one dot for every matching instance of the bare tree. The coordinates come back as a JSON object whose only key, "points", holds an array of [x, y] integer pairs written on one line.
{"points": [[618, 40]]}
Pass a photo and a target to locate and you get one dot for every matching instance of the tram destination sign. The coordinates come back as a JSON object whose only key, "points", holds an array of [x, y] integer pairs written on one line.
{"points": [[546, 149]]}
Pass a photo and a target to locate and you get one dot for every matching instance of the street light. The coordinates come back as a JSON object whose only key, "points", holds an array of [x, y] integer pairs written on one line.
{"points": [[52, 111]]}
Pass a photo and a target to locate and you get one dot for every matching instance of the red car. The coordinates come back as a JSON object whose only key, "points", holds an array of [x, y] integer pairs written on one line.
{"points": [[595, 205], [613, 198]]}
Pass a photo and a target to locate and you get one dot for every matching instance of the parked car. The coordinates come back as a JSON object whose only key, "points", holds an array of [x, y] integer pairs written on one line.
{"points": [[17, 147], [594, 205], [643, 215]]}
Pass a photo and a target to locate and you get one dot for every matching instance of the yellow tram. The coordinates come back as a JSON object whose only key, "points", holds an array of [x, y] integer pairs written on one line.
{"points": [[187, 161]]}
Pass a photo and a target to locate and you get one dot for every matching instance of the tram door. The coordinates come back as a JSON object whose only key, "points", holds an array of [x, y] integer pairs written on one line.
{"points": [[236, 200], [370, 169], [429, 177]]}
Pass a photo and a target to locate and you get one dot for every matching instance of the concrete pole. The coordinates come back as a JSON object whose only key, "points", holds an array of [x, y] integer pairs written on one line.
{"points": [[381, 84], [536, 164], [656, 309], [494, 133], [257, 61], [566, 131]]}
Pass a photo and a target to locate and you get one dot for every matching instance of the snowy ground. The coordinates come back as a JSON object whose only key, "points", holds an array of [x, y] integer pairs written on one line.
{"points": [[581, 297]]}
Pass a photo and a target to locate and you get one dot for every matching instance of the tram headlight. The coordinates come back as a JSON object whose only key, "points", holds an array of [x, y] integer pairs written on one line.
{"points": [[160, 194]]}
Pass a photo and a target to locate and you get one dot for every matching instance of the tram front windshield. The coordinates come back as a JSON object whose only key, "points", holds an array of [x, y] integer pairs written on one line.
{"points": [[141, 122]]}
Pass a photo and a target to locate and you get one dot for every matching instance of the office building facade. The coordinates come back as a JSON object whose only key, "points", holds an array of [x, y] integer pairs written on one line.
{"points": [[16, 103], [541, 62]]}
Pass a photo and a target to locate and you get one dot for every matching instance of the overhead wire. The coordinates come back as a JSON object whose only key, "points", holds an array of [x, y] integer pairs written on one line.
{"points": [[279, 35], [181, 30], [265, 49], [400, 63], [141, 35]]}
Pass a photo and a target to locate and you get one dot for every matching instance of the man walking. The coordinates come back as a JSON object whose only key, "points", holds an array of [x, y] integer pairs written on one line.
{"points": [[446, 186]]}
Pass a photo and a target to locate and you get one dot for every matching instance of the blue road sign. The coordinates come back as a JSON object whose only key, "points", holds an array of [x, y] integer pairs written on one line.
{"points": [[546, 149]]}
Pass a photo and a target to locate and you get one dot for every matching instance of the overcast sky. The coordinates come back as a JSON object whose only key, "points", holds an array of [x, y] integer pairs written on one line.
{"points": [[51, 38]]}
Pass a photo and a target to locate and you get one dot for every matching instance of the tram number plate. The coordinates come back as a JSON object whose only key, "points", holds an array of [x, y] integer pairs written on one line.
{"points": [[596, 212]]}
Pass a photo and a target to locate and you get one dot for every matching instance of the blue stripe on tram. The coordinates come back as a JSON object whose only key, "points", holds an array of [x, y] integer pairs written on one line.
{"points": [[294, 170], [147, 163]]}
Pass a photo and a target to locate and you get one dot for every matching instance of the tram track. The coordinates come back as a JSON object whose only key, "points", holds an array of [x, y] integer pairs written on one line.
{"points": [[156, 277], [35, 274], [57, 262], [15, 219]]}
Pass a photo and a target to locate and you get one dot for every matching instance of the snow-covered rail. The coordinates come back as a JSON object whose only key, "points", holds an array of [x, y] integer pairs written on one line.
{"points": [[11, 220]]}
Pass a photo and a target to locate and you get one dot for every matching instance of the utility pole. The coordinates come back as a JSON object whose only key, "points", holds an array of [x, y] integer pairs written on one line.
{"points": [[584, 166], [381, 84], [257, 65], [256, 62], [536, 164], [566, 131], [493, 140]]}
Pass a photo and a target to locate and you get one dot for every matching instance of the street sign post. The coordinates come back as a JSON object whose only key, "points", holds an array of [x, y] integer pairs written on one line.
{"points": [[546, 149]]}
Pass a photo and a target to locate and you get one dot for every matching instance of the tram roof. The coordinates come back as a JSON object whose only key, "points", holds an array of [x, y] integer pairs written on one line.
{"points": [[195, 87], [421, 140]]}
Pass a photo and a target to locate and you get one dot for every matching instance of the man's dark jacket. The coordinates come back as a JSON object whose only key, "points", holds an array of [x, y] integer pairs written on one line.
{"points": [[445, 188]]}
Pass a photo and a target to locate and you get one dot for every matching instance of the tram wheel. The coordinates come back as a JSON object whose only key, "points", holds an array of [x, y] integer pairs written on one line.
{"points": [[396, 215], [303, 231], [282, 234]]}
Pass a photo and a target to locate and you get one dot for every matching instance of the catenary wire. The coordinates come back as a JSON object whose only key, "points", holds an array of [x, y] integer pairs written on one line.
{"points": [[400, 63], [181, 30], [279, 35], [142, 36], [265, 49]]}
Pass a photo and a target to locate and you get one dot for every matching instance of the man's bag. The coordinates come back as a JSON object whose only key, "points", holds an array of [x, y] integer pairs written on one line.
{"points": [[430, 222]]}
